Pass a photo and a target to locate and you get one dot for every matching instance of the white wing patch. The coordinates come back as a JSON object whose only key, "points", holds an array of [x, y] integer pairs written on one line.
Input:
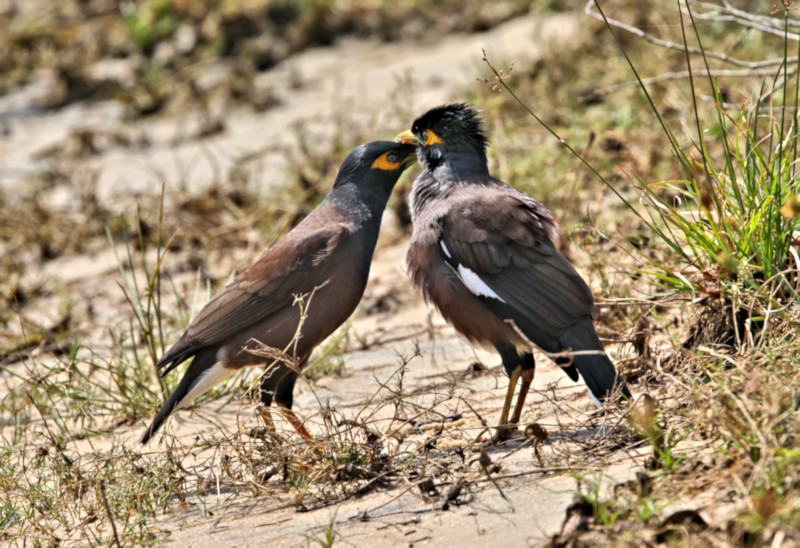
{"points": [[470, 279], [475, 284]]}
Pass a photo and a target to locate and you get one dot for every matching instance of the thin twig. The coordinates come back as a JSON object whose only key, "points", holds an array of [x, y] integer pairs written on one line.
{"points": [[110, 515], [724, 57]]}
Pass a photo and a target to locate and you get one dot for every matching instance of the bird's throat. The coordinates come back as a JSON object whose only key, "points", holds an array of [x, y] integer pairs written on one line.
{"points": [[459, 166]]}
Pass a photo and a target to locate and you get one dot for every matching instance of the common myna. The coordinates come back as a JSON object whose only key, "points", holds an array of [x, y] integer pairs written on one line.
{"points": [[318, 271], [484, 253]]}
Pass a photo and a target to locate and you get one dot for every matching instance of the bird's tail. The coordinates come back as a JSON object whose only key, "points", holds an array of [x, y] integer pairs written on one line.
{"points": [[593, 364], [198, 379]]}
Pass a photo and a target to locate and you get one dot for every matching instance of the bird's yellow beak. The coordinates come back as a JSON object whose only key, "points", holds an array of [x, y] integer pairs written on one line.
{"points": [[408, 138]]}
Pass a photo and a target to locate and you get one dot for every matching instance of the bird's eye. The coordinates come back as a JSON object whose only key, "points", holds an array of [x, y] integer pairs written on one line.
{"points": [[388, 161]]}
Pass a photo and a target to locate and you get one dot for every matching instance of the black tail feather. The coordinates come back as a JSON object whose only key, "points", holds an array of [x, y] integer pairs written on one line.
{"points": [[569, 369], [196, 369], [599, 374], [179, 353]]}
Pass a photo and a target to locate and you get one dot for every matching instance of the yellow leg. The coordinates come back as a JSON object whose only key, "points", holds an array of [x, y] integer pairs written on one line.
{"points": [[266, 416], [289, 415], [512, 383], [524, 387]]}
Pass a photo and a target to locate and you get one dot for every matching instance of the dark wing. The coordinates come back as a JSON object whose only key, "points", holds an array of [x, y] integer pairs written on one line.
{"points": [[504, 238], [296, 265]]}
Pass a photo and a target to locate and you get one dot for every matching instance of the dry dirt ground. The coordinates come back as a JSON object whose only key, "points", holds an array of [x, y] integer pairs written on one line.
{"points": [[537, 484], [527, 500]]}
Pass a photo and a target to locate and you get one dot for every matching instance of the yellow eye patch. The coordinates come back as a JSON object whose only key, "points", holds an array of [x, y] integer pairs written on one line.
{"points": [[431, 138], [388, 161]]}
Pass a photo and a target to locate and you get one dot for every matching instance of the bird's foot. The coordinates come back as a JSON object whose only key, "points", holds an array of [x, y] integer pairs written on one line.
{"points": [[506, 433], [266, 434], [503, 434]]}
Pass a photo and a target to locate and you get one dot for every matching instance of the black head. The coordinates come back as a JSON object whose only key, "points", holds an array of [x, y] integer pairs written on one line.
{"points": [[369, 173], [452, 141], [377, 165]]}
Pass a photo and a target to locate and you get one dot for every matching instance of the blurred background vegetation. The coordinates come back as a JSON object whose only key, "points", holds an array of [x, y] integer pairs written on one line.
{"points": [[156, 52]]}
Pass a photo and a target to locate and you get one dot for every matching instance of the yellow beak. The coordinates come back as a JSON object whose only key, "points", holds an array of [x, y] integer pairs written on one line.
{"points": [[408, 138]]}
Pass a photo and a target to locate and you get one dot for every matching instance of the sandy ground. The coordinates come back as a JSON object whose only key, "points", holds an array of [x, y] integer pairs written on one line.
{"points": [[365, 76], [536, 495]]}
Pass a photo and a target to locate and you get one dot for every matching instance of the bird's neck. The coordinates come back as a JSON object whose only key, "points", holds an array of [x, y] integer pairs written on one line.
{"points": [[461, 166], [364, 205], [439, 180], [426, 191]]}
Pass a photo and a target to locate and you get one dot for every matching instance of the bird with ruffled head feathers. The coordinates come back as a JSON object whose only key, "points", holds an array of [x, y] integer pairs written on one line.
{"points": [[484, 253], [452, 141]]}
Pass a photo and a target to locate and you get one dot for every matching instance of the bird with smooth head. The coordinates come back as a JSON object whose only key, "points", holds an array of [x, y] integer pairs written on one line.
{"points": [[295, 295]]}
